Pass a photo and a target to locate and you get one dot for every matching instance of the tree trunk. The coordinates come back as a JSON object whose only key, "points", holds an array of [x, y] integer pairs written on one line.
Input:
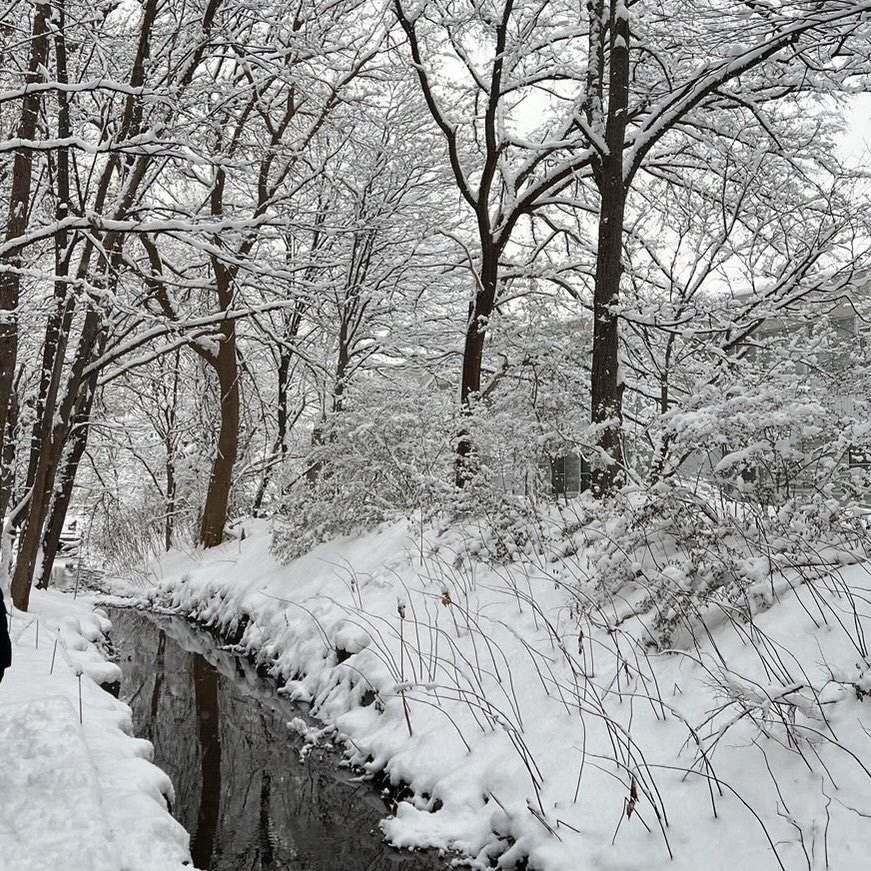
{"points": [[221, 479], [343, 360], [606, 384], [59, 323], [169, 523], [63, 494], [280, 449], [169, 445], [7, 459], [227, 370], [30, 537], [606, 388], [473, 354], [19, 205]]}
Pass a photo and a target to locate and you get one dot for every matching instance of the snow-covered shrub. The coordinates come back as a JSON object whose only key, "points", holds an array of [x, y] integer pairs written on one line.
{"points": [[532, 411], [392, 449], [771, 445], [117, 539], [367, 468], [676, 558], [382, 456], [764, 494]]}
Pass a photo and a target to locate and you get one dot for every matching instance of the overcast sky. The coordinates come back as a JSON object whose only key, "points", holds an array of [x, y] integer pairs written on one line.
{"points": [[856, 145]]}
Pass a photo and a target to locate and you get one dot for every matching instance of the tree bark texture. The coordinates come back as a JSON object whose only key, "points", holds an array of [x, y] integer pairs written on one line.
{"points": [[605, 382], [19, 206]]}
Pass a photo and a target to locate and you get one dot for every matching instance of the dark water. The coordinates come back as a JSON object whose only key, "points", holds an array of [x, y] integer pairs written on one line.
{"points": [[242, 792]]}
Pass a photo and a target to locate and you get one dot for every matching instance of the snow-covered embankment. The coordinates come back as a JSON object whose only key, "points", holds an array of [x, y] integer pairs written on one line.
{"points": [[77, 791], [528, 722]]}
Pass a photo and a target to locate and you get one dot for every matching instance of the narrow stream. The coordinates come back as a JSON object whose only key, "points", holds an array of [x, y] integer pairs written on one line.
{"points": [[242, 792]]}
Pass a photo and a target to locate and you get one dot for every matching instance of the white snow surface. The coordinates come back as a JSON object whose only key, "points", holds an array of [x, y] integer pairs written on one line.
{"points": [[76, 794], [524, 730]]}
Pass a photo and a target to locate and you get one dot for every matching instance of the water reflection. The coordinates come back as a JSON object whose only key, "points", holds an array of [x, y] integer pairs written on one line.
{"points": [[208, 720], [241, 790]]}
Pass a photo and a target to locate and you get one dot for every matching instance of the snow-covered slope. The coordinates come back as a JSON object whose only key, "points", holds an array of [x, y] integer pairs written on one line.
{"points": [[525, 727]]}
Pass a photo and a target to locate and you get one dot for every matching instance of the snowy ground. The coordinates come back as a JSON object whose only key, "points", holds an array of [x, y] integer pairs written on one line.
{"points": [[78, 792], [523, 729]]}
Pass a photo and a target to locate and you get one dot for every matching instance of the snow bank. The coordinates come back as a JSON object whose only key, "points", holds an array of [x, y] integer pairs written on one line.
{"points": [[78, 792], [525, 727]]}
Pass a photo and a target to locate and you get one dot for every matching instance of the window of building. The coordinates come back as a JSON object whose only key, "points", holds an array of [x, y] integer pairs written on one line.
{"points": [[570, 475]]}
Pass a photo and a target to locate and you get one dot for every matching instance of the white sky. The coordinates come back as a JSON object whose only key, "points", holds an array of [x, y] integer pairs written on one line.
{"points": [[856, 144]]}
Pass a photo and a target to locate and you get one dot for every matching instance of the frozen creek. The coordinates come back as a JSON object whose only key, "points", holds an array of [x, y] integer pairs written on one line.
{"points": [[241, 789]]}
